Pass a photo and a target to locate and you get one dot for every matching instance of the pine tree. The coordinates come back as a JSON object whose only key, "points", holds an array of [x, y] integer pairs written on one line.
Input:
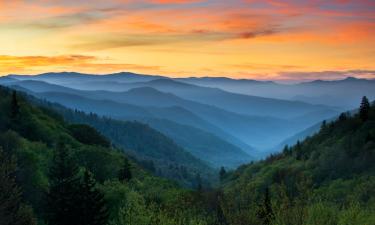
{"points": [[364, 108], [198, 181], [222, 173], [265, 212], [15, 108], [62, 205], [93, 209], [125, 173], [343, 117], [12, 211], [324, 125]]}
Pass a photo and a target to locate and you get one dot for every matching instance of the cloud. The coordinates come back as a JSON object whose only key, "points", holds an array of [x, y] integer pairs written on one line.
{"points": [[262, 66], [117, 40], [82, 63], [43, 60]]}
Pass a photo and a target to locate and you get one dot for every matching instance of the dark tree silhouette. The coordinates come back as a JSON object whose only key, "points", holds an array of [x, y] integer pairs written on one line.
{"points": [[198, 181], [265, 212], [125, 173], [62, 205], [12, 211], [93, 210], [364, 108], [343, 117], [222, 173], [15, 108]]}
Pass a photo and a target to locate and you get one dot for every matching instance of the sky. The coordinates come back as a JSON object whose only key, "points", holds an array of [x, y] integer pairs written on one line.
{"points": [[265, 40]]}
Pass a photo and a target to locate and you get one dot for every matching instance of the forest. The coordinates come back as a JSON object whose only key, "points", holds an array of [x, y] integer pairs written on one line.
{"points": [[63, 167]]}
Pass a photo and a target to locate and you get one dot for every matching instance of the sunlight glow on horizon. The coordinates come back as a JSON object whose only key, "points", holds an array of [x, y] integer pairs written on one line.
{"points": [[264, 40]]}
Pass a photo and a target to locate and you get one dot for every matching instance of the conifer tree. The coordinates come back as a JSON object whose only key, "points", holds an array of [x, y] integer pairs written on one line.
{"points": [[364, 108], [12, 211], [93, 210], [343, 117], [62, 205], [198, 181], [15, 108], [324, 125], [265, 212], [125, 173], [222, 173]]}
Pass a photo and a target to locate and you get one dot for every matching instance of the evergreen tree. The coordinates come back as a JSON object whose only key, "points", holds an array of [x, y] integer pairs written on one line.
{"points": [[198, 181], [364, 108], [12, 211], [343, 117], [15, 108], [324, 125], [265, 212], [93, 210], [222, 173], [286, 150], [125, 173], [62, 205]]}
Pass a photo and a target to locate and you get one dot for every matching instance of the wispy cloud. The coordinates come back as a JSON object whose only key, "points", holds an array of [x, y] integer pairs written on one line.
{"points": [[82, 63]]}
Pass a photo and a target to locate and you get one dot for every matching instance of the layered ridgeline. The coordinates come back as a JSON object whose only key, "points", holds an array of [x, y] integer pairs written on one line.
{"points": [[244, 123], [343, 93], [327, 179], [171, 121], [58, 173]]}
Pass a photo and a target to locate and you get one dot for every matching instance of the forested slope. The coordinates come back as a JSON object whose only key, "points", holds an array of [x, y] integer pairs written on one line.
{"points": [[57, 173], [327, 179]]}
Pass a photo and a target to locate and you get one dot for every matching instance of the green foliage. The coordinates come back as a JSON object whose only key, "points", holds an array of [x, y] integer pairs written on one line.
{"points": [[12, 210], [328, 178], [125, 173], [149, 148], [88, 135], [62, 199], [93, 209]]}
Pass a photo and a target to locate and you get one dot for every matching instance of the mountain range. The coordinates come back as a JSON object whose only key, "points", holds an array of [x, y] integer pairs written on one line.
{"points": [[217, 110]]}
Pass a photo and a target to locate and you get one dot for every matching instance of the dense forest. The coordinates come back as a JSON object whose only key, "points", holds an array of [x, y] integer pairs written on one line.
{"points": [[54, 171]]}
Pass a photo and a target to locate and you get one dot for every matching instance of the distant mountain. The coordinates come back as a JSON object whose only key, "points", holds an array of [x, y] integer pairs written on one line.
{"points": [[202, 144], [242, 130], [213, 153], [73, 77], [238, 103], [339, 93]]}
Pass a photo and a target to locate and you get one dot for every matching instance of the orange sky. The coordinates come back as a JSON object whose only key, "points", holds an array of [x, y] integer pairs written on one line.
{"points": [[237, 38]]}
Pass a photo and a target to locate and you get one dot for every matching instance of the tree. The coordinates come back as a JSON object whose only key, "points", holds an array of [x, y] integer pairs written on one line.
{"points": [[265, 212], [198, 181], [364, 108], [343, 117], [324, 125], [12, 211], [222, 173], [125, 173], [93, 210], [15, 108], [62, 198]]}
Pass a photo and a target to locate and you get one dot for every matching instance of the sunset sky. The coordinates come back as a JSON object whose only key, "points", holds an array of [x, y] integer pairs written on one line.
{"points": [[279, 40]]}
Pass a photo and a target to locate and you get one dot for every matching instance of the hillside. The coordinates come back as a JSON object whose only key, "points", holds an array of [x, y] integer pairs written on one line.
{"points": [[38, 137], [145, 144], [209, 145], [327, 179]]}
